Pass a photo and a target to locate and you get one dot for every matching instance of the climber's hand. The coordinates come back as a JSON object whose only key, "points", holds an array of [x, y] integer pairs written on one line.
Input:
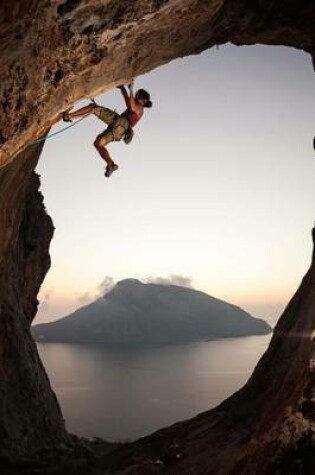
{"points": [[130, 86]]}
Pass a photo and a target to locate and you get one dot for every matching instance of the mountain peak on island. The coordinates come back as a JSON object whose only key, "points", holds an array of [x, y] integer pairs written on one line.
{"points": [[124, 287], [131, 284], [127, 283], [135, 313]]}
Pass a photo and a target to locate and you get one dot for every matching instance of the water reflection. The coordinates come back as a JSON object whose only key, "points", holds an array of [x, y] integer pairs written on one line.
{"points": [[127, 393]]}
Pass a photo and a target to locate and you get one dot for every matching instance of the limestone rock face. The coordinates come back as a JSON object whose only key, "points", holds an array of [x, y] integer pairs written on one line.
{"points": [[53, 53]]}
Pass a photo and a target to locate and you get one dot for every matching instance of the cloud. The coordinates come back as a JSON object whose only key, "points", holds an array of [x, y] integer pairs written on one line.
{"points": [[45, 299], [105, 286], [85, 298], [47, 295], [101, 289], [108, 283], [173, 279]]}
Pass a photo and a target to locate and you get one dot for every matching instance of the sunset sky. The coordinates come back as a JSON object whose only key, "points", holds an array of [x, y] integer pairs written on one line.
{"points": [[218, 186]]}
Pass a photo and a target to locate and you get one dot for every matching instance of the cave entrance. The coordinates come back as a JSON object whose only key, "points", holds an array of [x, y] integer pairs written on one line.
{"points": [[216, 186]]}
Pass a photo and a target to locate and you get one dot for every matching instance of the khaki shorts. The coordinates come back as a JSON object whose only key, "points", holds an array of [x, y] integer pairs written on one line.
{"points": [[117, 125]]}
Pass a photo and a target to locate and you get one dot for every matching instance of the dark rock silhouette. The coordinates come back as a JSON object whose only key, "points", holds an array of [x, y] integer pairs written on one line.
{"points": [[137, 313], [54, 53], [28, 407]]}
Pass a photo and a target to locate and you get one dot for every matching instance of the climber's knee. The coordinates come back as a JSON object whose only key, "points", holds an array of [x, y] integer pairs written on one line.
{"points": [[104, 138], [100, 141]]}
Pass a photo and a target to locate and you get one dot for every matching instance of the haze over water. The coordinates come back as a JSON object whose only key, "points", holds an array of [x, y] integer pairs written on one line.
{"points": [[125, 394]]}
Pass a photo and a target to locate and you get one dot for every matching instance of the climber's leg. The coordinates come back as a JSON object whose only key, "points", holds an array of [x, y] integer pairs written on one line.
{"points": [[68, 116], [100, 144], [105, 114]]}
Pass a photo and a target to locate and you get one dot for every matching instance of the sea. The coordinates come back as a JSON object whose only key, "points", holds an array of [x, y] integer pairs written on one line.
{"points": [[121, 394]]}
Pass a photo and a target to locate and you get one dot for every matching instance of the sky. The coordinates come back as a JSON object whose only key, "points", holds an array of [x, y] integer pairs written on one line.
{"points": [[215, 191]]}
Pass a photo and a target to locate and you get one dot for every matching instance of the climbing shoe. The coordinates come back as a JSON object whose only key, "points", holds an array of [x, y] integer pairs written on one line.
{"points": [[110, 169], [65, 116]]}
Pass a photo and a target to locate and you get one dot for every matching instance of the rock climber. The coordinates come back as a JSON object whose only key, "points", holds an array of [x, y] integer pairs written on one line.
{"points": [[118, 125]]}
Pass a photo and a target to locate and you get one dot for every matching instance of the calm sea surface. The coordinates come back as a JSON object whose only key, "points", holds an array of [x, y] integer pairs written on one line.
{"points": [[123, 395]]}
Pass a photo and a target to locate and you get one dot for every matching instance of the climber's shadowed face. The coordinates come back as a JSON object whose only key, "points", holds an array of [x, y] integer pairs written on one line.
{"points": [[143, 97]]}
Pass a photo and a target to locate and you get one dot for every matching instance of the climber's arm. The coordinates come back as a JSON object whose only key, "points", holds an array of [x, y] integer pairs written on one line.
{"points": [[130, 87], [125, 95], [131, 95], [129, 98]]}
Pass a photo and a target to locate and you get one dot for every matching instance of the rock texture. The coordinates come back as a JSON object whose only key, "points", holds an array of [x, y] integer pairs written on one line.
{"points": [[28, 408], [53, 53]]}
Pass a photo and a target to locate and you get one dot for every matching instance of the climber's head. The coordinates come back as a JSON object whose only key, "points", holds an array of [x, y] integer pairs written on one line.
{"points": [[143, 97]]}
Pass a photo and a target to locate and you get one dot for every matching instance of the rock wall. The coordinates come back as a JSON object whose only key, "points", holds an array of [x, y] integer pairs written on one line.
{"points": [[28, 408], [53, 53]]}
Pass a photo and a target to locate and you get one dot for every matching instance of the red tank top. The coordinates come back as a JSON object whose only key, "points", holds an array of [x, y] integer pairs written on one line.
{"points": [[131, 116]]}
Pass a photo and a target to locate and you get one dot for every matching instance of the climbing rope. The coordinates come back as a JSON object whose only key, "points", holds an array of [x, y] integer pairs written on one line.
{"points": [[43, 139]]}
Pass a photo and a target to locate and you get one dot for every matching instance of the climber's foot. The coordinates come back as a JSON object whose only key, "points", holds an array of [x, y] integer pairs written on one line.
{"points": [[110, 169], [65, 116]]}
